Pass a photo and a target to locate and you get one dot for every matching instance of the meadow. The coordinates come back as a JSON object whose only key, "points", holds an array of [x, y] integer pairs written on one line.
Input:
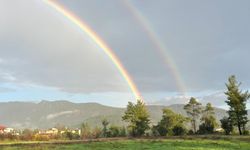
{"points": [[138, 144]]}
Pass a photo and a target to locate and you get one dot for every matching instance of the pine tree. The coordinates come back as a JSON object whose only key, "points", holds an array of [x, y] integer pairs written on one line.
{"points": [[138, 117], [236, 100], [193, 109]]}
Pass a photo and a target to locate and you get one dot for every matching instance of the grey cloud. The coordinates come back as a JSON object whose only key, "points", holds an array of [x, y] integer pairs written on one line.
{"points": [[216, 99], [44, 50], [208, 40]]}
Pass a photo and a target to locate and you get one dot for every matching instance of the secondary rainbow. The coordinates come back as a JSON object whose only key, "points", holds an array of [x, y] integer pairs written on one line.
{"points": [[97, 39], [160, 47]]}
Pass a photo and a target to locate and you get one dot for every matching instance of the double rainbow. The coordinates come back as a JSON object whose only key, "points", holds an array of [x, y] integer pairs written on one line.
{"points": [[97, 39]]}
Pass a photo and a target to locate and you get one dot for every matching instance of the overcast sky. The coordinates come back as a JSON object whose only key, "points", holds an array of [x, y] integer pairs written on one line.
{"points": [[45, 56]]}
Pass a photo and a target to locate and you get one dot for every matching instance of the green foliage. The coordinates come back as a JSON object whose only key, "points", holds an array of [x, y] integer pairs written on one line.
{"points": [[85, 131], [96, 133], [208, 120], [236, 100], [168, 122], [193, 109], [226, 124], [105, 123], [116, 131], [27, 135], [179, 130], [138, 118], [68, 135]]}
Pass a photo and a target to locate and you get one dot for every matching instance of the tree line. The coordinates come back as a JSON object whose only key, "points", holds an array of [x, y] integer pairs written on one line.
{"points": [[199, 120], [202, 120]]}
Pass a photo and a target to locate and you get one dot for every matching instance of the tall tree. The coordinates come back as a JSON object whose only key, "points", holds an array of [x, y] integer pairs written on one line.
{"points": [[236, 100], [208, 120], [105, 124], [138, 118], [193, 109]]}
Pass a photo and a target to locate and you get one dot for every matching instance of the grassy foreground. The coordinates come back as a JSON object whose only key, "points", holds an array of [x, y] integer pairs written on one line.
{"points": [[171, 144]]}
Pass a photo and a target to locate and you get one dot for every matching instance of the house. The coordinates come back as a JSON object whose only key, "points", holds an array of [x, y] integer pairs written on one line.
{"points": [[8, 130], [2, 129], [52, 131], [219, 130]]}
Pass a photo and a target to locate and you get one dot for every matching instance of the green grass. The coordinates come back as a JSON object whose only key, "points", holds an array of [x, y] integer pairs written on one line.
{"points": [[141, 144]]}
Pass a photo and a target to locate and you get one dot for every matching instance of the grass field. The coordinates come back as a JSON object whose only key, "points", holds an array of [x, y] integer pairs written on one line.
{"points": [[160, 144]]}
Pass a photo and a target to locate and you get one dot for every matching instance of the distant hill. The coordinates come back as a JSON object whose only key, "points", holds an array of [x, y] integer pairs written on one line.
{"points": [[48, 114]]}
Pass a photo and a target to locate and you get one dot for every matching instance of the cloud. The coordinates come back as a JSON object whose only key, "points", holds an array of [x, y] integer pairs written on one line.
{"points": [[48, 50], [39, 46], [171, 100], [216, 99], [55, 115]]}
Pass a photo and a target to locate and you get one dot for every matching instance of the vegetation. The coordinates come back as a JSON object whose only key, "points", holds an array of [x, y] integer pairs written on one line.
{"points": [[138, 118], [236, 100], [208, 120], [226, 124], [105, 123], [142, 144], [193, 109], [170, 124]]}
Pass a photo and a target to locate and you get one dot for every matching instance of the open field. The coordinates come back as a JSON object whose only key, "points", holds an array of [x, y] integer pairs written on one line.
{"points": [[126, 144]]}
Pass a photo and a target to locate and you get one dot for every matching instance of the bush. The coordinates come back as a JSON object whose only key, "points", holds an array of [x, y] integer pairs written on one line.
{"points": [[206, 129], [96, 133], [190, 132], [227, 125], [179, 130], [39, 137], [245, 132], [116, 131], [154, 131]]}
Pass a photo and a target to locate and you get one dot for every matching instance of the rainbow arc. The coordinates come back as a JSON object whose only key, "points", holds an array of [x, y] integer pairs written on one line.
{"points": [[98, 40]]}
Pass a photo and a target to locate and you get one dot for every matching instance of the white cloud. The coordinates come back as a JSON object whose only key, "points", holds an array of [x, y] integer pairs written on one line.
{"points": [[55, 115]]}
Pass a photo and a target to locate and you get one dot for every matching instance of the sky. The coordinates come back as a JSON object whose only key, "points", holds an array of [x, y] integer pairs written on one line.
{"points": [[172, 49]]}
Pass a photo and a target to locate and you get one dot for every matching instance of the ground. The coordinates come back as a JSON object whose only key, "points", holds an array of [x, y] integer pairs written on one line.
{"points": [[138, 144]]}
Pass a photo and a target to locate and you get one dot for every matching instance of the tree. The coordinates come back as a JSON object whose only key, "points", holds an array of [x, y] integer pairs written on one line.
{"points": [[138, 118], [105, 123], [85, 131], [193, 109], [236, 100], [226, 124], [208, 120], [169, 121]]}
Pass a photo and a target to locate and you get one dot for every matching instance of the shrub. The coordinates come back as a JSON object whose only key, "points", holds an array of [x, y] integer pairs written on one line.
{"points": [[39, 137], [96, 133], [179, 130], [245, 132]]}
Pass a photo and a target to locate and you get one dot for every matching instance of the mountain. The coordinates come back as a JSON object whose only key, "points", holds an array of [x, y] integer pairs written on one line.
{"points": [[47, 114]]}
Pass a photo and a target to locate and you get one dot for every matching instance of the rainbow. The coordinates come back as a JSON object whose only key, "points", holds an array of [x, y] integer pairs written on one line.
{"points": [[97, 39], [160, 47]]}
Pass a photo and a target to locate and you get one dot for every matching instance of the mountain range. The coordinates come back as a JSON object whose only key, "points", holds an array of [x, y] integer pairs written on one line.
{"points": [[47, 114]]}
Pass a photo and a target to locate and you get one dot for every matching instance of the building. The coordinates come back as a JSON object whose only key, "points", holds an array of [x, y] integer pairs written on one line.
{"points": [[2, 129]]}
